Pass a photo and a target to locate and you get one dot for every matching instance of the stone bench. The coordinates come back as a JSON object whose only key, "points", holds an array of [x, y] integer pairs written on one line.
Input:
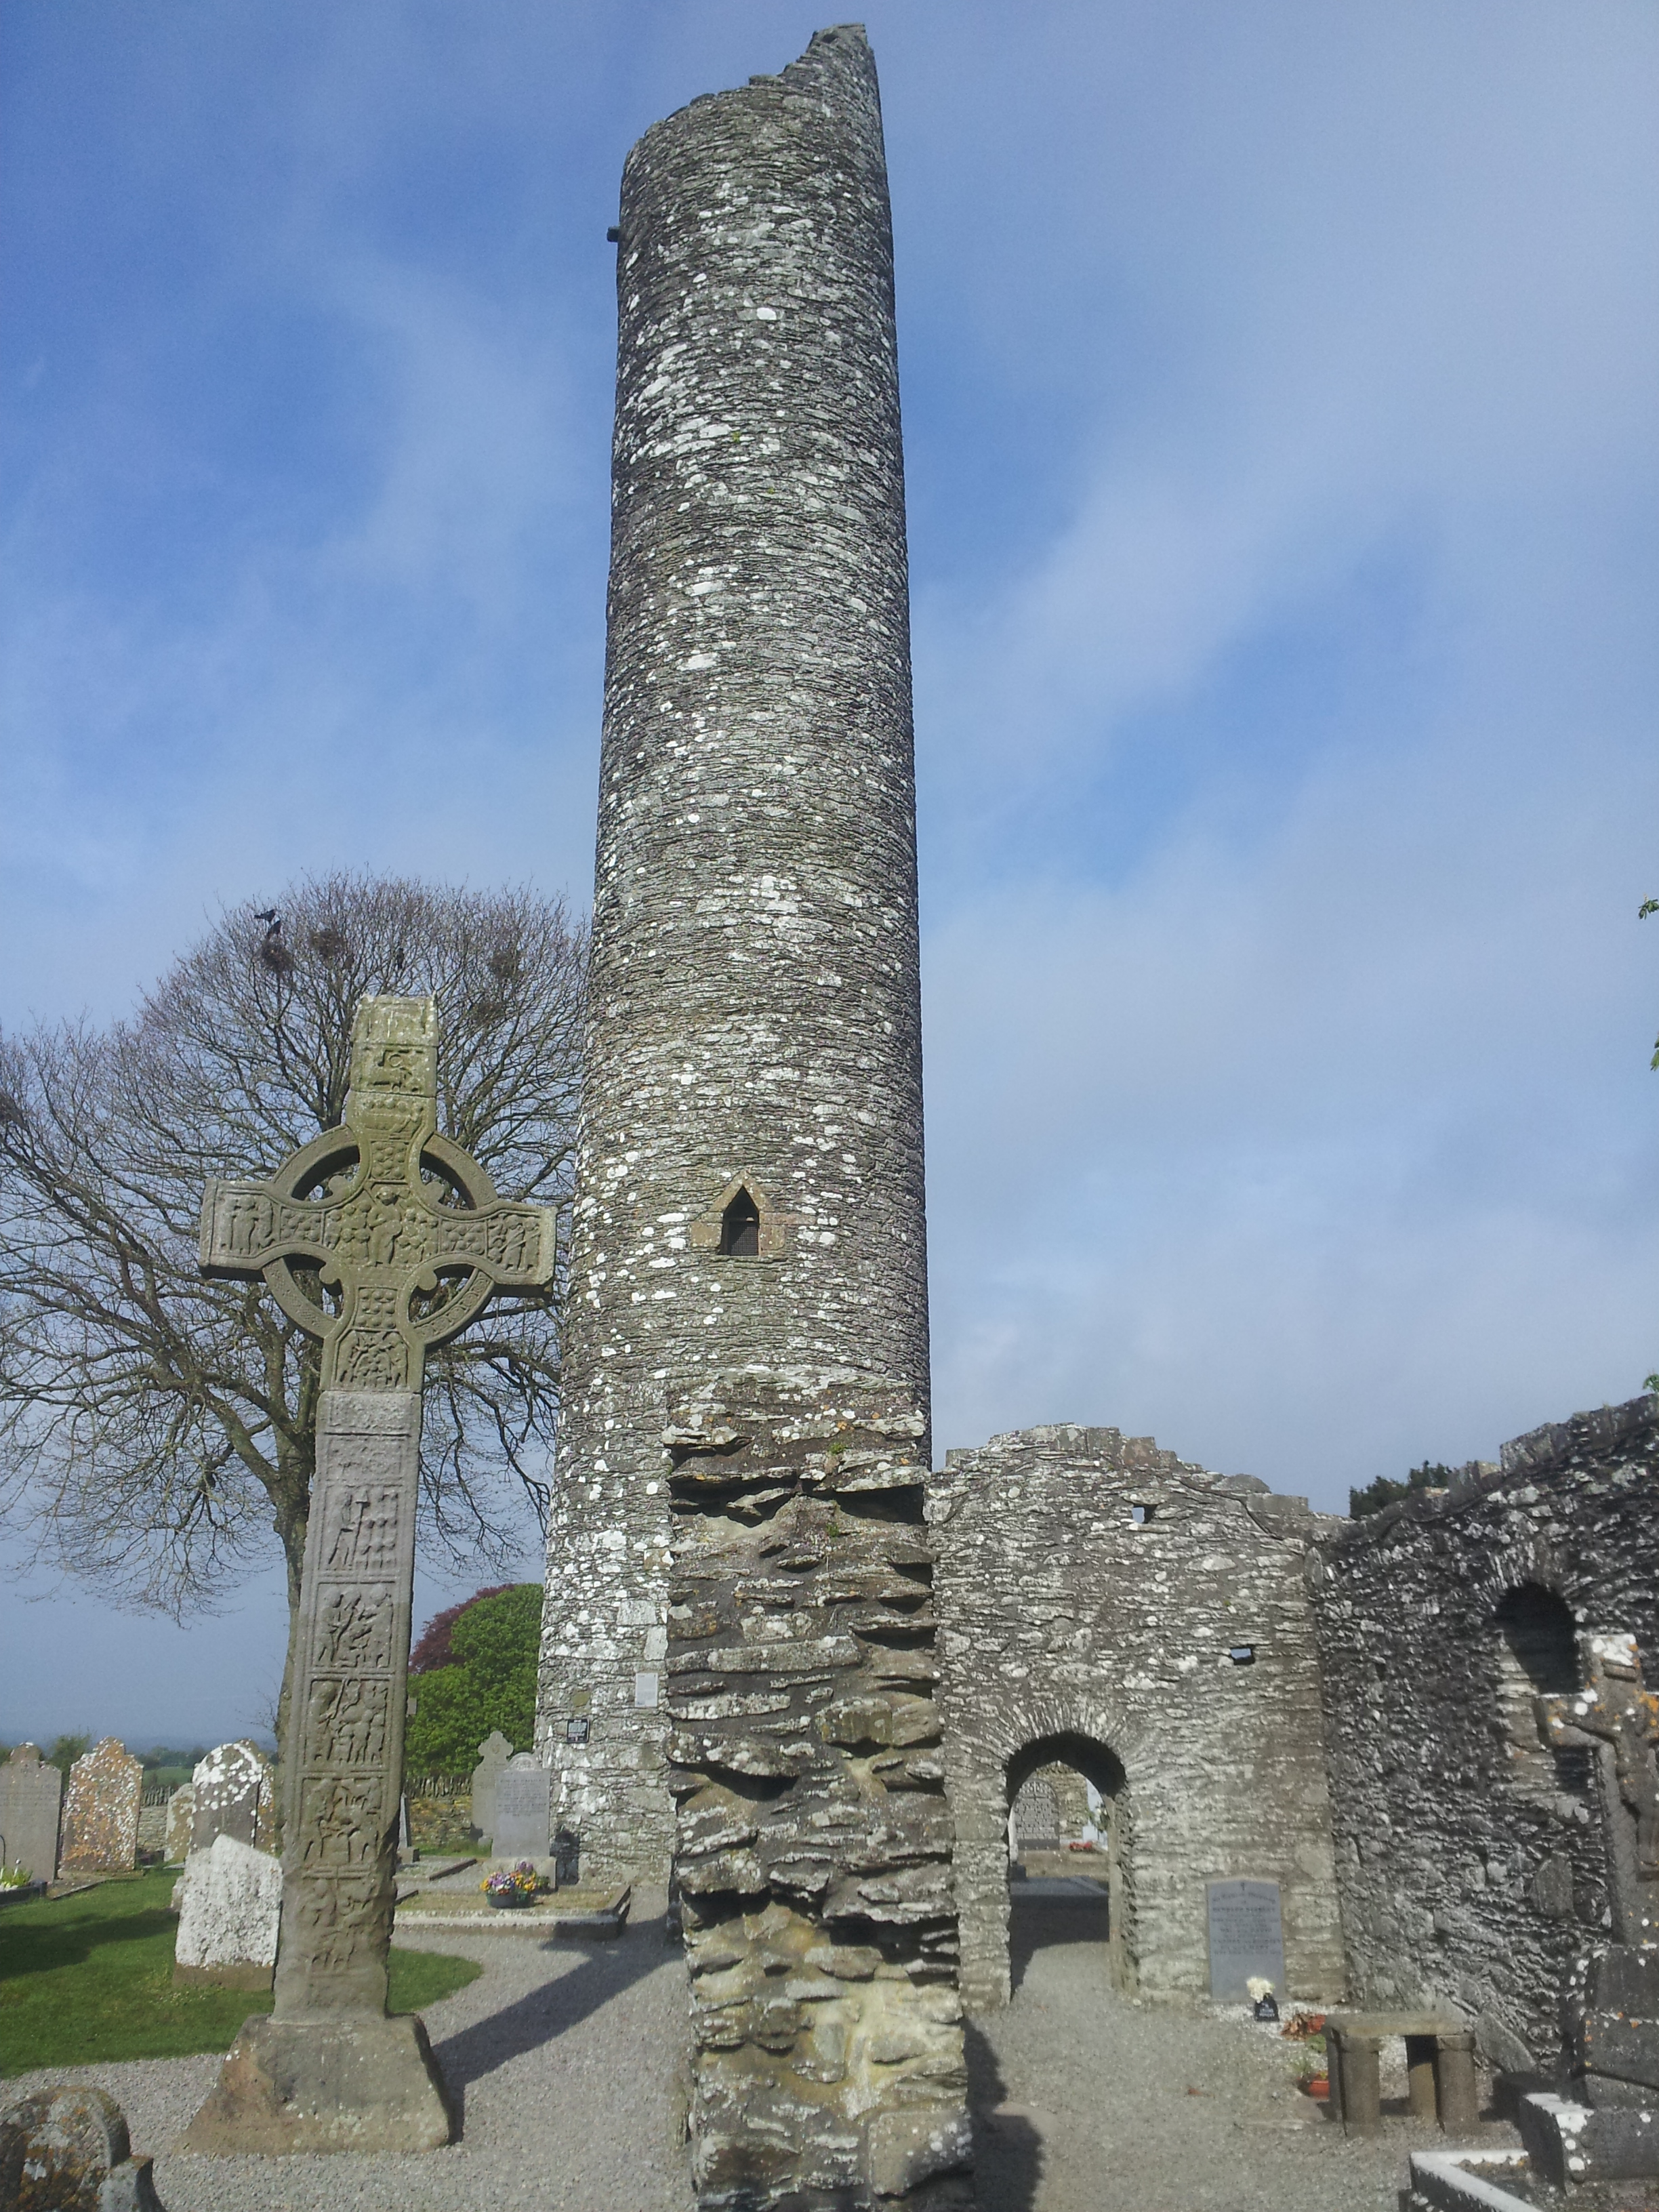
{"points": [[1439, 2067]]}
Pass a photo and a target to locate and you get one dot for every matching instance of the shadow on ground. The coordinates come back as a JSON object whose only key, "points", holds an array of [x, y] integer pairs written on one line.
{"points": [[1007, 2145], [1038, 1924], [606, 1970]]}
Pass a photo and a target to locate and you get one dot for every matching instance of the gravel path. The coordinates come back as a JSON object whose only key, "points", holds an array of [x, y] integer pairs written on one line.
{"points": [[1087, 2102], [566, 2055], [569, 2055]]}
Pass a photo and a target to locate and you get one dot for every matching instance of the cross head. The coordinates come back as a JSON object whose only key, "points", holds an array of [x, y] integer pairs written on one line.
{"points": [[400, 1223], [1614, 1707]]}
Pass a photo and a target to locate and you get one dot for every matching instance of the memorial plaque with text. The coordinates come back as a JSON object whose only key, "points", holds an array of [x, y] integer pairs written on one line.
{"points": [[523, 1795], [1247, 1938]]}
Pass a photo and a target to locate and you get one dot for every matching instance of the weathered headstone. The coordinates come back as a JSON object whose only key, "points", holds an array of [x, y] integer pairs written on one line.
{"points": [[523, 1810], [67, 2150], [406, 1229], [181, 1816], [1247, 1938], [229, 1901], [100, 1811], [493, 1754], [152, 1824], [234, 1794], [30, 1795]]}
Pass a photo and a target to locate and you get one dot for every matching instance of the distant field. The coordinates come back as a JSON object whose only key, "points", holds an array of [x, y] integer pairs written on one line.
{"points": [[89, 1979]]}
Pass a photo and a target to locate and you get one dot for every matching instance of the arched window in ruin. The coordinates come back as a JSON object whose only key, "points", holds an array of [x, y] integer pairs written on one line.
{"points": [[1537, 1655], [740, 1226]]}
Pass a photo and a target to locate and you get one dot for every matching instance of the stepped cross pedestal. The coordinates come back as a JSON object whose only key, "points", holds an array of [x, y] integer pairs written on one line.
{"points": [[382, 1238]]}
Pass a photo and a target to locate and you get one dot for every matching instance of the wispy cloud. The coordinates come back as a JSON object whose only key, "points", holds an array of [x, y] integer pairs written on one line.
{"points": [[1282, 468]]}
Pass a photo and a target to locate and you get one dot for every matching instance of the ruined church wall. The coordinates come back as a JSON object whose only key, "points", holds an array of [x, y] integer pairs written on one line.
{"points": [[755, 997], [1062, 1615], [1471, 1860]]}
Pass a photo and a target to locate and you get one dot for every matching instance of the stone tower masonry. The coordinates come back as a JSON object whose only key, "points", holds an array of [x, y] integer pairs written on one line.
{"points": [[750, 1180]]}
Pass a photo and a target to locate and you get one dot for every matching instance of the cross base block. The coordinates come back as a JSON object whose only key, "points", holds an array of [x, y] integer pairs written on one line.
{"points": [[354, 2081]]}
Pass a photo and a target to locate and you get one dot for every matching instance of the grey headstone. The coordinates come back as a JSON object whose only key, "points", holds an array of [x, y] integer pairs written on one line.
{"points": [[229, 1901], [233, 1795], [1247, 1938], [30, 1794], [493, 1754], [523, 1800], [181, 1814]]}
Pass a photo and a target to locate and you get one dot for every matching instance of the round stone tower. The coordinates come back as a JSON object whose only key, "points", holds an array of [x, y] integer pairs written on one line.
{"points": [[750, 1181]]}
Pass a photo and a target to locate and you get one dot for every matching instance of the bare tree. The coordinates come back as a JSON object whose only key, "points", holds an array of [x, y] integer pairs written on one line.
{"points": [[155, 1427]]}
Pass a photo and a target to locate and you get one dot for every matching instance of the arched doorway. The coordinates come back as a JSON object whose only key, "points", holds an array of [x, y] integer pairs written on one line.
{"points": [[1068, 1858]]}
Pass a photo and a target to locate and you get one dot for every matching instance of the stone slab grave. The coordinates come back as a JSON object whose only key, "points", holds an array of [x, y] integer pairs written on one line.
{"points": [[493, 1754], [1246, 1937], [100, 1811], [523, 1813], [234, 1792], [181, 1815], [1608, 2128], [408, 1233], [67, 2150], [229, 1901], [31, 1793]]}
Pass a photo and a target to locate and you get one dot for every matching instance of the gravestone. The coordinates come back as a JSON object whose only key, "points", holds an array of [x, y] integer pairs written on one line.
{"points": [[406, 1231], [1247, 1939], [181, 1814], [153, 1824], [523, 1810], [493, 1754], [229, 1900], [100, 1811], [67, 2150], [234, 1794], [30, 1795], [1037, 1816]]}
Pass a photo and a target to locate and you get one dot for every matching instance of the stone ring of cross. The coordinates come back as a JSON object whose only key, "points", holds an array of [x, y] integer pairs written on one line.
{"points": [[400, 1223], [376, 1227]]}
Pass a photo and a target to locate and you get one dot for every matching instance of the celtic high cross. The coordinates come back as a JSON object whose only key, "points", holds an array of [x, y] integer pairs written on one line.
{"points": [[383, 1238], [1616, 1710]]}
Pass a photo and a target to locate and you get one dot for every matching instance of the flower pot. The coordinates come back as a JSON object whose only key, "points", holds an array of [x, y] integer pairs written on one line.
{"points": [[508, 1900], [1317, 2085]]}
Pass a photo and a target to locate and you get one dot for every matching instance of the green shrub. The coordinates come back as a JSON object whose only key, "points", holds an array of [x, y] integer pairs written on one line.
{"points": [[490, 1683], [1375, 1495]]}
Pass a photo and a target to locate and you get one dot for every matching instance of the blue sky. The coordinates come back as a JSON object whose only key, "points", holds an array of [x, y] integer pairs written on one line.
{"points": [[1279, 392]]}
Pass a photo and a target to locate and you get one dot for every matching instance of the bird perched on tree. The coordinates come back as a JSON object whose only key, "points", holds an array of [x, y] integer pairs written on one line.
{"points": [[273, 952]]}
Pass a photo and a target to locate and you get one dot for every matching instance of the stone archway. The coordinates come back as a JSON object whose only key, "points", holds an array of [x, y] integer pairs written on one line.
{"points": [[1068, 1793], [1014, 1740]]}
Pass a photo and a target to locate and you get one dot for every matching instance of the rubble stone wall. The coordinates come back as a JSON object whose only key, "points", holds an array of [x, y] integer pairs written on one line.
{"points": [[1090, 1588], [754, 1021], [1472, 1860], [813, 1838]]}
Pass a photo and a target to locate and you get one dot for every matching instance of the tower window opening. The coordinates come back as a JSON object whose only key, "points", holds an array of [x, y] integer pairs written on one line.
{"points": [[1141, 1515], [740, 1228]]}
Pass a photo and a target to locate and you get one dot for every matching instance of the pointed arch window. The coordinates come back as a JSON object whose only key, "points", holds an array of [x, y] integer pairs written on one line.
{"points": [[740, 1224], [744, 1222]]}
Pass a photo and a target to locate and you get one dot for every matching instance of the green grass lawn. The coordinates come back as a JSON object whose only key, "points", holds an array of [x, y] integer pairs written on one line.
{"points": [[89, 1977]]}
